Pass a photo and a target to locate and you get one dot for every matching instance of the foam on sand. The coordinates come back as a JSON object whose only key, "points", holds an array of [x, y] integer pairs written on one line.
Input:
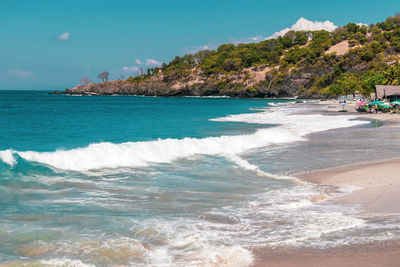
{"points": [[65, 263], [298, 124]]}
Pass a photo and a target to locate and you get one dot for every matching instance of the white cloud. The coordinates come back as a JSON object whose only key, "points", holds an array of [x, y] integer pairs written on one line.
{"points": [[306, 25], [21, 74], [257, 38], [362, 24], [301, 25], [63, 37], [254, 39], [153, 62], [130, 69], [138, 61], [195, 49]]}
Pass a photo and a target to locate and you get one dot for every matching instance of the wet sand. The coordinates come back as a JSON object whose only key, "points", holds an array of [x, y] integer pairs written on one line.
{"points": [[379, 184], [378, 194], [353, 256]]}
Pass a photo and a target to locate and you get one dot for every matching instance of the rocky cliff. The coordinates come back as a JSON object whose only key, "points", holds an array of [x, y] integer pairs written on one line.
{"points": [[350, 59]]}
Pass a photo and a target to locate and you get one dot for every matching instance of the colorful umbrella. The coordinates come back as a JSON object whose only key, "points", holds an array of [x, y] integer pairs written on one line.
{"points": [[385, 106], [376, 102]]}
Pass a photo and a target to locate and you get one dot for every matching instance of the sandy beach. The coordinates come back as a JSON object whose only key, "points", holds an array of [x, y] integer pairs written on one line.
{"points": [[368, 256], [332, 106], [377, 194], [379, 184]]}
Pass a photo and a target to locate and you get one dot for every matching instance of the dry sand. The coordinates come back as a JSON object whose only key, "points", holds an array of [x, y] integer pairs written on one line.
{"points": [[379, 184], [378, 195], [391, 120]]}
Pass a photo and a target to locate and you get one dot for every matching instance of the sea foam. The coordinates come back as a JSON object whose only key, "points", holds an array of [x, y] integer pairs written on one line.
{"points": [[290, 128], [65, 263], [7, 157], [138, 154]]}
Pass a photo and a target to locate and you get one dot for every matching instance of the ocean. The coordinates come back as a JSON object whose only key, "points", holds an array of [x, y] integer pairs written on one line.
{"points": [[152, 181]]}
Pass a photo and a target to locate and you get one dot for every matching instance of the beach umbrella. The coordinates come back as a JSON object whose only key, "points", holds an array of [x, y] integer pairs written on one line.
{"points": [[376, 102], [361, 103], [385, 106], [343, 105], [396, 102]]}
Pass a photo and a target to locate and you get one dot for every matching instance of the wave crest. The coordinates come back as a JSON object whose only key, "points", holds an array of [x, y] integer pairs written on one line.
{"points": [[138, 154], [7, 157]]}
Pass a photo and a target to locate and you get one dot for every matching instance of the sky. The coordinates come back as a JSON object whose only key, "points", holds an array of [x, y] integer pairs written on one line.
{"points": [[52, 45]]}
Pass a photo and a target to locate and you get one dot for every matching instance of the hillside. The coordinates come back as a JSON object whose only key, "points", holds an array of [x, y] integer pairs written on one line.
{"points": [[350, 59]]}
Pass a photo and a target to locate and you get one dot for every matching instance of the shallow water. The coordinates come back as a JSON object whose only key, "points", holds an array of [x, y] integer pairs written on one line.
{"points": [[126, 180]]}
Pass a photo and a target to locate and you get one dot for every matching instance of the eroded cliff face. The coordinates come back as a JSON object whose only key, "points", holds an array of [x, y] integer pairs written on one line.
{"points": [[251, 82], [259, 81]]}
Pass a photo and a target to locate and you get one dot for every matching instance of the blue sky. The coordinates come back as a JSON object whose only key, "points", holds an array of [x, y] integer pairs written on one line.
{"points": [[47, 44]]}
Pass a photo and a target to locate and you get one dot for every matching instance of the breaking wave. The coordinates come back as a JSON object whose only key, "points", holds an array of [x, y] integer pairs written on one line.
{"points": [[291, 128], [7, 157]]}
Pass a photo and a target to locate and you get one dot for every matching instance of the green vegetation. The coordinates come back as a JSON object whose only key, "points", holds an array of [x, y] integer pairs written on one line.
{"points": [[297, 63]]}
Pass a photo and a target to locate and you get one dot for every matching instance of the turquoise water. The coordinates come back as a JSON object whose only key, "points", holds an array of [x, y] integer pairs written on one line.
{"points": [[41, 122], [125, 180]]}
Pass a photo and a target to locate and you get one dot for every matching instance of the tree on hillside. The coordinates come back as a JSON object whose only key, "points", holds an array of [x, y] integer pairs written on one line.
{"points": [[390, 23], [321, 41], [269, 45], [103, 76], [301, 38], [352, 27], [349, 82], [301, 62], [335, 90], [201, 55], [392, 74], [370, 80], [85, 80], [226, 47], [231, 64]]}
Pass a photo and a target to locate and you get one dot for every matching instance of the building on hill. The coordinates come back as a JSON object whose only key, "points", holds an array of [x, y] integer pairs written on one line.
{"points": [[390, 92]]}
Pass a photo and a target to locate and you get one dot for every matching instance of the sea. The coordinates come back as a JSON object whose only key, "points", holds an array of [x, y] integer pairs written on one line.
{"points": [[188, 181]]}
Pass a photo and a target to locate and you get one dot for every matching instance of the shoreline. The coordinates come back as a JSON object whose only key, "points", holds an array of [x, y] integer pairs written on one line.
{"points": [[378, 183], [376, 198], [377, 194]]}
